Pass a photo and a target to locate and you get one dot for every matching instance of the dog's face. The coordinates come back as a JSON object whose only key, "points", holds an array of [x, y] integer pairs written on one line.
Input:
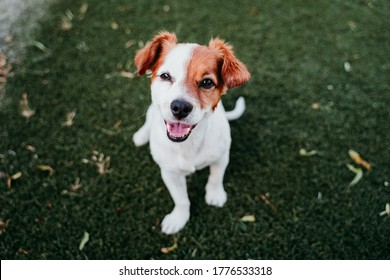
{"points": [[188, 79]]}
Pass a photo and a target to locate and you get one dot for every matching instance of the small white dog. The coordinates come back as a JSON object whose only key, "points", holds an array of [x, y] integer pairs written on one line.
{"points": [[186, 124]]}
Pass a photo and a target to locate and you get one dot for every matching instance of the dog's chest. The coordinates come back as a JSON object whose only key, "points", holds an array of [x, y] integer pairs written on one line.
{"points": [[205, 146], [186, 158]]}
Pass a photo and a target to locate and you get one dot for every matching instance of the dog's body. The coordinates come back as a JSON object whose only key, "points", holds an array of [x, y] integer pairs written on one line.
{"points": [[186, 124]]}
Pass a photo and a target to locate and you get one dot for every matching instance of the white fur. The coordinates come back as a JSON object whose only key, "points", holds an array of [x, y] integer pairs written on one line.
{"points": [[208, 144]]}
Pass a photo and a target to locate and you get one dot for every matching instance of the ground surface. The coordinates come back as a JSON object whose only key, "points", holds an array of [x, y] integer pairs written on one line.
{"points": [[320, 82]]}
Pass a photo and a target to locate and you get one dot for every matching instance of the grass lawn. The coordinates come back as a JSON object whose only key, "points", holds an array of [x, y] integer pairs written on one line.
{"points": [[320, 82]]}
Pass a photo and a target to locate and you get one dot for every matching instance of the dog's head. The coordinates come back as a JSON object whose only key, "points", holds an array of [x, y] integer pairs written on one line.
{"points": [[188, 79]]}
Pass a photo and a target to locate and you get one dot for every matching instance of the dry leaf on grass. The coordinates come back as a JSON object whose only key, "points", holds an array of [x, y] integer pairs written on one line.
{"points": [[129, 43], [84, 240], [352, 25], [22, 251], [83, 10], [101, 161], [77, 185], [31, 148], [114, 25], [3, 225], [46, 168], [4, 69], [13, 178], [248, 218], [69, 119], [358, 174], [304, 153], [387, 210], [167, 250], [66, 21], [126, 74], [358, 159], [347, 66], [315, 106], [26, 111], [268, 202]]}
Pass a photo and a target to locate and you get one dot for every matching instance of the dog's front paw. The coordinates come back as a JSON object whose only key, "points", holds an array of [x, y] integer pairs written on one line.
{"points": [[140, 138], [216, 196], [176, 220]]}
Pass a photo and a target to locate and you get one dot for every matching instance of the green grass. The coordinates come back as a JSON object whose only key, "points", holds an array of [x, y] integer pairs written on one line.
{"points": [[296, 52]]}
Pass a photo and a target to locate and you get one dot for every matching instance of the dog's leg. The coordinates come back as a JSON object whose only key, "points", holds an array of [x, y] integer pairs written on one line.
{"points": [[141, 137], [176, 184], [215, 193]]}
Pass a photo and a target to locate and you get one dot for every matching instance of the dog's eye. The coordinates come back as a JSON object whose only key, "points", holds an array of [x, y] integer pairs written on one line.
{"points": [[165, 77], [206, 83]]}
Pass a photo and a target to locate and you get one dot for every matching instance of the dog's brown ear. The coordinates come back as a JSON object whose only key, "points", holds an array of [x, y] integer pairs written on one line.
{"points": [[146, 58], [233, 71]]}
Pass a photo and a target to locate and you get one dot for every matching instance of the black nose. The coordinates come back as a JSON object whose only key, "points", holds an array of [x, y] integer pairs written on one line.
{"points": [[180, 108]]}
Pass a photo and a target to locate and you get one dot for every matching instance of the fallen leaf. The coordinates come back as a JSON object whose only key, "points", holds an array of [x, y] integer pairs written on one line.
{"points": [[166, 8], [31, 148], [69, 14], [129, 43], [3, 225], [13, 178], [358, 176], [330, 87], [84, 240], [101, 161], [46, 168], [114, 25], [66, 23], [268, 202], [76, 185], [387, 210], [167, 250], [40, 46], [110, 132], [82, 46], [69, 119], [5, 68], [127, 74], [16, 176], [117, 124], [9, 39], [83, 10], [358, 159], [23, 251], [347, 66], [352, 25], [70, 193], [27, 112], [315, 106], [253, 11], [248, 218], [304, 153]]}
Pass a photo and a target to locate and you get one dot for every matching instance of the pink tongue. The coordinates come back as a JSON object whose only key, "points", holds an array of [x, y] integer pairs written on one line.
{"points": [[178, 129]]}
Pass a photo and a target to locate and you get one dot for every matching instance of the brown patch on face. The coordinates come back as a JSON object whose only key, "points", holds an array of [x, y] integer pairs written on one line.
{"points": [[152, 55], [218, 63], [205, 64], [215, 62]]}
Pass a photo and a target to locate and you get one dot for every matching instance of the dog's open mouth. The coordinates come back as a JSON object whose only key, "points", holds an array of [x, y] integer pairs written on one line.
{"points": [[178, 131]]}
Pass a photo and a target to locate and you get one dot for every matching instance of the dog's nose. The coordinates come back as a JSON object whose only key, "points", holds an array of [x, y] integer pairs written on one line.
{"points": [[180, 108]]}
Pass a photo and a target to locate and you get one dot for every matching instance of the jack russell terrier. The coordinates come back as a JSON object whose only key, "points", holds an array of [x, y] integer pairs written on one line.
{"points": [[186, 124]]}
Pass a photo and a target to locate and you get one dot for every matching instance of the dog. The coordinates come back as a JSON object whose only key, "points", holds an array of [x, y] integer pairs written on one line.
{"points": [[186, 124]]}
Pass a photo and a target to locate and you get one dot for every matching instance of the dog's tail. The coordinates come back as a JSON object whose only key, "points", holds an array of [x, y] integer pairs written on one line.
{"points": [[237, 111]]}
